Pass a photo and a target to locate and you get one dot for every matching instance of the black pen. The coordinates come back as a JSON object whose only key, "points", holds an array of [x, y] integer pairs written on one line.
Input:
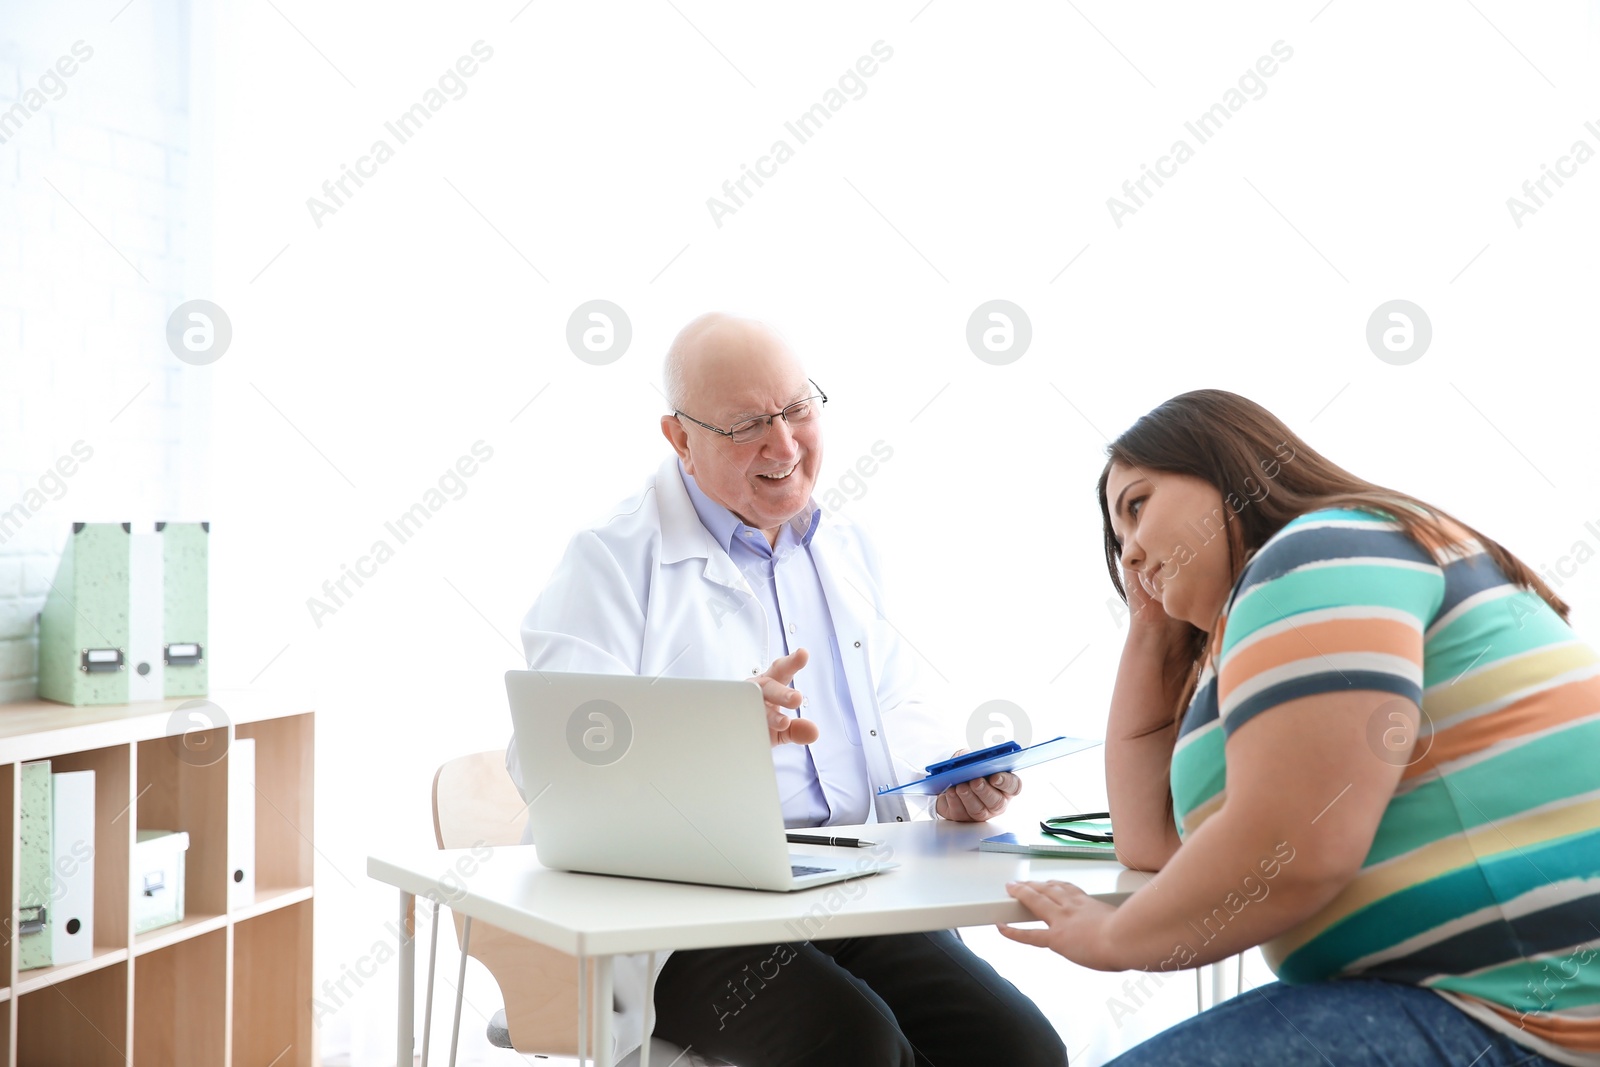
{"points": [[842, 842]]}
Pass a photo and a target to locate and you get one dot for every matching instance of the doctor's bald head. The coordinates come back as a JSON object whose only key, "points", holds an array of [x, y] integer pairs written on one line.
{"points": [[726, 379]]}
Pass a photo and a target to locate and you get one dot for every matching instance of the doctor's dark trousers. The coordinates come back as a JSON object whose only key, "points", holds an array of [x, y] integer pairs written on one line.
{"points": [[903, 1000]]}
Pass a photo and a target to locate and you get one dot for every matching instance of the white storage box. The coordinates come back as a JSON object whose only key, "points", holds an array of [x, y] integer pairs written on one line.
{"points": [[157, 885]]}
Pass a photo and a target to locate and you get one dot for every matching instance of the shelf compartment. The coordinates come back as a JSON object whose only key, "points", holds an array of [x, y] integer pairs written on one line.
{"points": [[183, 785], [82, 1022], [113, 837], [283, 799], [219, 985], [104, 956], [194, 924], [272, 1001], [180, 998]]}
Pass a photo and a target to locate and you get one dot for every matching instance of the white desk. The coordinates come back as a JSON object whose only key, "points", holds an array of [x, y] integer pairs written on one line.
{"points": [[943, 881]]}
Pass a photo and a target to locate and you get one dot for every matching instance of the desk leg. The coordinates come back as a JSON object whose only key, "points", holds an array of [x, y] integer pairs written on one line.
{"points": [[605, 1052], [583, 1011], [461, 988], [427, 1002], [408, 980], [649, 1011]]}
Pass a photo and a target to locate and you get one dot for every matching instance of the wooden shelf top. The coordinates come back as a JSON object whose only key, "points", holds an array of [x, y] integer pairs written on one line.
{"points": [[189, 926], [42, 977], [271, 899], [39, 729]]}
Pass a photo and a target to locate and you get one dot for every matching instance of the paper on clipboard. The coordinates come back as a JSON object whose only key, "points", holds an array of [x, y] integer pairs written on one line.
{"points": [[1044, 751]]}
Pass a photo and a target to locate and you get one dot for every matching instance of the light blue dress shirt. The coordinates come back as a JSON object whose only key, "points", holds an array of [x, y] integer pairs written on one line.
{"points": [[825, 782]]}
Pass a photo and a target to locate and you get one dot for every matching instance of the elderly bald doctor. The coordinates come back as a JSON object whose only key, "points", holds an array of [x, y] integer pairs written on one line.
{"points": [[723, 566]]}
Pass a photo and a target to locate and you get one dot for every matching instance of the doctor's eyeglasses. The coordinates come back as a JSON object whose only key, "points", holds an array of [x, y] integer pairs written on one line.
{"points": [[796, 414]]}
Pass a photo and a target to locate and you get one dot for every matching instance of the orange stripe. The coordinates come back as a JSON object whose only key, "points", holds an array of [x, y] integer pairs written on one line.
{"points": [[1387, 636], [1580, 1035], [1578, 699]]}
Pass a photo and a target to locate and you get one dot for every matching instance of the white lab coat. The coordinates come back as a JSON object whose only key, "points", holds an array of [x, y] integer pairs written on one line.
{"points": [[651, 592]]}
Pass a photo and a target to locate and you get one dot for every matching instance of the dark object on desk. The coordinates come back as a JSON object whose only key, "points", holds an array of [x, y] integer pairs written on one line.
{"points": [[1088, 828], [840, 842]]}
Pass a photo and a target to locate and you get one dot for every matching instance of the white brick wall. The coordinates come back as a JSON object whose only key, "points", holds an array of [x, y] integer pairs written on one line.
{"points": [[80, 332]]}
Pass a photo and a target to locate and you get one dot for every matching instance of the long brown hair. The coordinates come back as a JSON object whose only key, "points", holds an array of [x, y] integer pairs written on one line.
{"points": [[1242, 450]]}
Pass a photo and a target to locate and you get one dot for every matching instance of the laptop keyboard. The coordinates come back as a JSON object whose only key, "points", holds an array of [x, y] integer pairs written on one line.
{"points": [[800, 871]]}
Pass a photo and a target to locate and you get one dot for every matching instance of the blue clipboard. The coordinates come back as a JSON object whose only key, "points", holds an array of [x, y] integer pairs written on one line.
{"points": [[1008, 756]]}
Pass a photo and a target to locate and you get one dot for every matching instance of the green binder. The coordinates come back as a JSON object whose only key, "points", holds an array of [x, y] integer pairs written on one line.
{"points": [[185, 565], [35, 854], [83, 629]]}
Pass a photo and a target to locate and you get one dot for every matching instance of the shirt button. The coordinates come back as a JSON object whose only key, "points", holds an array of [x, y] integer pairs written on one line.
{"points": [[858, 644], [874, 733], [793, 628]]}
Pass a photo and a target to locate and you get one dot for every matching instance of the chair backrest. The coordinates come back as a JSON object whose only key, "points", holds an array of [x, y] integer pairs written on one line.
{"points": [[475, 802]]}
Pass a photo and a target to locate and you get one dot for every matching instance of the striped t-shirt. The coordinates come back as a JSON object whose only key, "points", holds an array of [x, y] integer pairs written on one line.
{"points": [[1483, 882]]}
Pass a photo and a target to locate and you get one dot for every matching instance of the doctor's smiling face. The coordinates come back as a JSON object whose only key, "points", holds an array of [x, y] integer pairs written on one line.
{"points": [[723, 371], [1172, 539]]}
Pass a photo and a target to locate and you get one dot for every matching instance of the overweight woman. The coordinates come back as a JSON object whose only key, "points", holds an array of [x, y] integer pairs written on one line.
{"points": [[1355, 732]]}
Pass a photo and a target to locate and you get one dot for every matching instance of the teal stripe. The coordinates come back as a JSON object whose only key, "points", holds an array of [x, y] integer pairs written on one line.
{"points": [[1332, 514], [1536, 772], [1412, 820], [1422, 907], [1535, 986], [1198, 772], [1495, 627], [1415, 592]]}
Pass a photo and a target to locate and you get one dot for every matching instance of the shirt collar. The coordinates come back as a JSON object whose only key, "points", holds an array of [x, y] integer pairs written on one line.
{"points": [[726, 527]]}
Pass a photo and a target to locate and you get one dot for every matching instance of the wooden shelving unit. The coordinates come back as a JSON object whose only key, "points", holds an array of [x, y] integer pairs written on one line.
{"points": [[228, 987]]}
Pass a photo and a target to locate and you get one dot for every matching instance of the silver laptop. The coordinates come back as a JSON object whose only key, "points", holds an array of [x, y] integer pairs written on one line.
{"points": [[667, 778]]}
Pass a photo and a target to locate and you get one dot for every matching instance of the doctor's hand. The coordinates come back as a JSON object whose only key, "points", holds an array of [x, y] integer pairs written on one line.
{"points": [[978, 800], [782, 728]]}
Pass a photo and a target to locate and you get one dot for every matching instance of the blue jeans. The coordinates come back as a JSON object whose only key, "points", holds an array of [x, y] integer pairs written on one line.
{"points": [[1352, 1022]]}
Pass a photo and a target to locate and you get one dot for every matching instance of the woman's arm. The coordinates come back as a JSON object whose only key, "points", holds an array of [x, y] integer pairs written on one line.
{"points": [[1140, 735], [1304, 798], [1307, 784], [1141, 731]]}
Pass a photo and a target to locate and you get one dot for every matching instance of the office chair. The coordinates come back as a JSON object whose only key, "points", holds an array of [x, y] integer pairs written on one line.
{"points": [[475, 802]]}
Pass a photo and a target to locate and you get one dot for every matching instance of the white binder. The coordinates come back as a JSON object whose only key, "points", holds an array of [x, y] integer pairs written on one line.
{"points": [[72, 904], [241, 822], [147, 605]]}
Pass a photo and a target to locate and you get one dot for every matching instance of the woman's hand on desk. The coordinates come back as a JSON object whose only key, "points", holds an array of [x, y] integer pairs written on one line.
{"points": [[1075, 923], [978, 800], [782, 728]]}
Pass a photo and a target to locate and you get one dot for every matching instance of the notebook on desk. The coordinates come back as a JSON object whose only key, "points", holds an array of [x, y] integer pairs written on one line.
{"points": [[1038, 843]]}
